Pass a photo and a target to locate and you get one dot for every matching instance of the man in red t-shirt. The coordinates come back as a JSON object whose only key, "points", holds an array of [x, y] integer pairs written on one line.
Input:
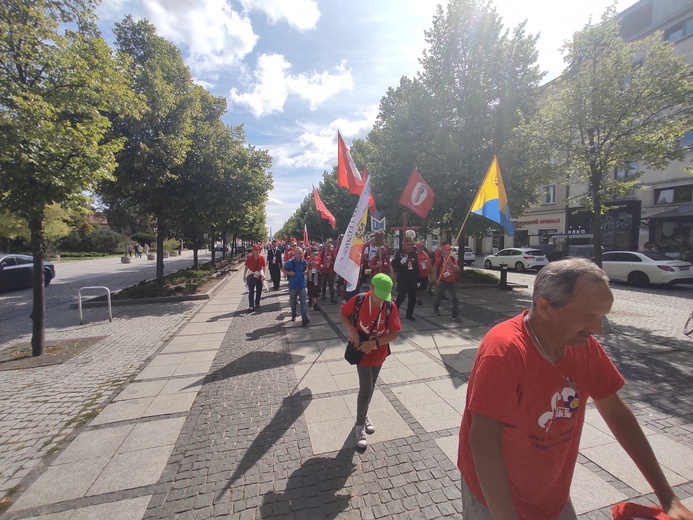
{"points": [[526, 401], [327, 271], [376, 325], [255, 263], [446, 271]]}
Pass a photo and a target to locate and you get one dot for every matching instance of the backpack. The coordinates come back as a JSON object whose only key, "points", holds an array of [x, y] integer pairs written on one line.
{"points": [[357, 309]]}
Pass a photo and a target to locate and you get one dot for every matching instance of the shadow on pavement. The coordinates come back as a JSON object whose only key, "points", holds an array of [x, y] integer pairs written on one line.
{"points": [[314, 487], [248, 364], [657, 376], [290, 410]]}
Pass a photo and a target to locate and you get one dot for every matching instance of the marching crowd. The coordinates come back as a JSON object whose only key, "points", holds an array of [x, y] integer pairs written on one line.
{"points": [[527, 392]]}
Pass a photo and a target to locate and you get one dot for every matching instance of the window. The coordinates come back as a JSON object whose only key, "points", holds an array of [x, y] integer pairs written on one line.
{"points": [[687, 140], [623, 175], [676, 195], [548, 194], [679, 31]]}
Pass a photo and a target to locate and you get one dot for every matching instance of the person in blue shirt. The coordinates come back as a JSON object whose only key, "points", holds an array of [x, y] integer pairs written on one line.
{"points": [[295, 270]]}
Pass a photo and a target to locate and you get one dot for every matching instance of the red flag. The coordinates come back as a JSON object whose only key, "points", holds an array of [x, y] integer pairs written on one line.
{"points": [[347, 174], [322, 209], [305, 235], [418, 195]]}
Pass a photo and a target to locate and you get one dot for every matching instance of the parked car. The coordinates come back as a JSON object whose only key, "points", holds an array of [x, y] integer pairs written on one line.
{"points": [[469, 255], [518, 258], [17, 271], [642, 269]]}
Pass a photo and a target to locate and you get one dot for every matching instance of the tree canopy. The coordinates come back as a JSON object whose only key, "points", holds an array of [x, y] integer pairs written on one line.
{"points": [[56, 89], [618, 106]]}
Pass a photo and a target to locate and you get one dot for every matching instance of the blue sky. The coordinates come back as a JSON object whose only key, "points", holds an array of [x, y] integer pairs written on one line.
{"points": [[296, 71]]}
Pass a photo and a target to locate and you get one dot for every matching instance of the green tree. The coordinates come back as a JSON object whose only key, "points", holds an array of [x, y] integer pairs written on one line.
{"points": [[158, 141], [478, 81], [616, 103], [56, 89]]}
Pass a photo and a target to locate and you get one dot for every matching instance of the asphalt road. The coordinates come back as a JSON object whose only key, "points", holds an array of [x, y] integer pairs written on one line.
{"points": [[15, 306]]}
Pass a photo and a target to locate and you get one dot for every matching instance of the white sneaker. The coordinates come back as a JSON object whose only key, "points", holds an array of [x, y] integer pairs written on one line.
{"points": [[360, 435], [370, 429]]}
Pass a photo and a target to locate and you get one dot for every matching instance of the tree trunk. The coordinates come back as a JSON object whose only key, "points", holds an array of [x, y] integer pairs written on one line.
{"points": [[160, 253], [194, 240], [597, 223], [212, 245], [38, 312]]}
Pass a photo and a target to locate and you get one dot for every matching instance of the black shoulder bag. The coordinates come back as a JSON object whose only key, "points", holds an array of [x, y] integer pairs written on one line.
{"points": [[351, 353]]}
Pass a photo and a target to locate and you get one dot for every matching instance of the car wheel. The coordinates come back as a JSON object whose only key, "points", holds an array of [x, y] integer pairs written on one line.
{"points": [[519, 267], [488, 264], [47, 277], [638, 279]]}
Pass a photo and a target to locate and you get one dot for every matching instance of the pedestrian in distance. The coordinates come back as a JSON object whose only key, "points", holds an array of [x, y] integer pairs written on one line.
{"points": [[295, 270], [313, 273], [424, 271], [372, 321], [274, 259], [406, 263], [526, 401], [327, 274], [446, 271], [380, 263], [254, 275]]}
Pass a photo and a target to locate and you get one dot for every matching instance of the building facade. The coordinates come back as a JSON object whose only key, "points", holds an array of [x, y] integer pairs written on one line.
{"points": [[661, 211]]}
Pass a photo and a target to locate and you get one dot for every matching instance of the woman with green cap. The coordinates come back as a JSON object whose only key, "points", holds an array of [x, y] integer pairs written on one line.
{"points": [[373, 322]]}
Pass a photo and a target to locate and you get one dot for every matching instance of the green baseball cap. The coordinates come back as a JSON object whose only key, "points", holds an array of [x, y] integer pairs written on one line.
{"points": [[382, 286]]}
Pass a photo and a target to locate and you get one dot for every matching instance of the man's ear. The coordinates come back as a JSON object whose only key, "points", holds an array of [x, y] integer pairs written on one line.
{"points": [[541, 306]]}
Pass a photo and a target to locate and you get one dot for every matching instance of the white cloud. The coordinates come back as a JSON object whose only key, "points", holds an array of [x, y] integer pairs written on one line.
{"points": [[274, 84], [301, 14], [303, 191], [215, 36], [317, 147], [274, 202]]}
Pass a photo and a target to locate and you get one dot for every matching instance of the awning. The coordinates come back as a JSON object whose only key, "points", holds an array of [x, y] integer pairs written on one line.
{"points": [[683, 213]]}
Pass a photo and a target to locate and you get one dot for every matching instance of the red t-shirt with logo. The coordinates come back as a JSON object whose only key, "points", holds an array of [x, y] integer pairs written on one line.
{"points": [[327, 260], [448, 274], [368, 315], [424, 264], [379, 265], [511, 382]]}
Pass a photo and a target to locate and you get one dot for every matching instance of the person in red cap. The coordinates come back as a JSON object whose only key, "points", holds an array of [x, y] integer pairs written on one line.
{"points": [[255, 263], [447, 271], [380, 263]]}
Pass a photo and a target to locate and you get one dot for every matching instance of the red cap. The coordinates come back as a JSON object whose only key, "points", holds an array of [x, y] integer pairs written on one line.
{"points": [[257, 247], [446, 247]]}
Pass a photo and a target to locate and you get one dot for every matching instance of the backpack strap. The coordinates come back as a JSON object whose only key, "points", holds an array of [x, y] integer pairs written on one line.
{"points": [[357, 308]]}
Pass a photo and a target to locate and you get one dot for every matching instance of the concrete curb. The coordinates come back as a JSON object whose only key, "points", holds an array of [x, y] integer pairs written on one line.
{"points": [[163, 299]]}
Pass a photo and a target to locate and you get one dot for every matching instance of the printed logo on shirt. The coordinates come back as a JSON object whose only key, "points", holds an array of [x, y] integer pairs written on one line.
{"points": [[564, 405]]}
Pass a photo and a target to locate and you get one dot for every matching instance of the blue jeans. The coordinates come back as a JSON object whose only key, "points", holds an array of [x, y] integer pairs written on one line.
{"points": [[299, 292]]}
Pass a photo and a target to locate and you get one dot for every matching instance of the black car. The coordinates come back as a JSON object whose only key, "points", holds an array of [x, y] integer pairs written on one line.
{"points": [[17, 271]]}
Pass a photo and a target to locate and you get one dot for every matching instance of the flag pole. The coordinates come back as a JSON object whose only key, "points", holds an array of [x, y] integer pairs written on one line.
{"points": [[464, 222]]}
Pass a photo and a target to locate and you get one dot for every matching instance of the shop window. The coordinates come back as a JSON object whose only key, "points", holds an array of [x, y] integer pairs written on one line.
{"points": [[676, 195]]}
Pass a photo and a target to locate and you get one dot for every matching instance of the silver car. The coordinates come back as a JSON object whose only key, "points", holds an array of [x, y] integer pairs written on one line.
{"points": [[518, 258]]}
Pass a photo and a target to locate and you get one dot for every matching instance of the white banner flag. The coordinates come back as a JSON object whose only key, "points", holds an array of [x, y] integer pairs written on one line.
{"points": [[348, 262]]}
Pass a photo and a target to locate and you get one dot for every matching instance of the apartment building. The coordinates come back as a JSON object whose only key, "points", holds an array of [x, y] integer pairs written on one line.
{"points": [[661, 211]]}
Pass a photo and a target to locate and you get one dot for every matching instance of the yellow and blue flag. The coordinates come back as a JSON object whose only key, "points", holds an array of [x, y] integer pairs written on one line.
{"points": [[491, 201]]}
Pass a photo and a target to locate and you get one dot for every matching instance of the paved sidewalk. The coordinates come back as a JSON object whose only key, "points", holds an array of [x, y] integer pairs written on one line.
{"points": [[239, 415]]}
